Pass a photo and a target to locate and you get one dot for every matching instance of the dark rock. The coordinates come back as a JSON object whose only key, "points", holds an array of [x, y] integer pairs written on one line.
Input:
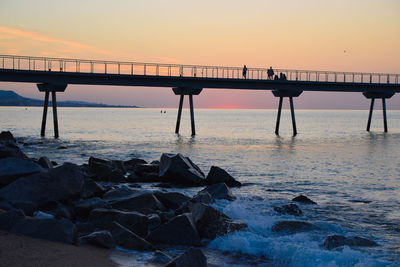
{"points": [[7, 136], [304, 199], [120, 193], [45, 162], [160, 257], [193, 257], [13, 168], [334, 241], [11, 149], [9, 218], [102, 239], [141, 168], [217, 175], [155, 162], [54, 163], [219, 191], [85, 228], [293, 227], [114, 176], [92, 189], [163, 185], [146, 177], [177, 169], [4, 205], [84, 206], [178, 231], [126, 239], [56, 184], [42, 215], [50, 229], [134, 221], [62, 147], [144, 202], [129, 164], [212, 223], [154, 221], [166, 216], [27, 206], [62, 212], [291, 209], [203, 197], [109, 171], [171, 200]]}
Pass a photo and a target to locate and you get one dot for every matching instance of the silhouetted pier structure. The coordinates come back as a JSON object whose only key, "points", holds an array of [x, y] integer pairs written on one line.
{"points": [[54, 74]]}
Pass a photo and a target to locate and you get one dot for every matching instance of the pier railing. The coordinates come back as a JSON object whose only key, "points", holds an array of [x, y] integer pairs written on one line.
{"points": [[176, 70]]}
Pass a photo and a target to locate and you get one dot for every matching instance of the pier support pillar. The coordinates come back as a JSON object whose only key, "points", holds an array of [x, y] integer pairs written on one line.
{"points": [[182, 91], [53, 88], [373, 96], [290, 94]]}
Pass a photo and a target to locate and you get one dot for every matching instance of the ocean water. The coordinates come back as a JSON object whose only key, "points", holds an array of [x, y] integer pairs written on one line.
{"points": [[353, 175]]}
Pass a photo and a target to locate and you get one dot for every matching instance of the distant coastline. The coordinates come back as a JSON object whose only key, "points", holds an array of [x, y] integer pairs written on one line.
{"points": [[10, 98]]}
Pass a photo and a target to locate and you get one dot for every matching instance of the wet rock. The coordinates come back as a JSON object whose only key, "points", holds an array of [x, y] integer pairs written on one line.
{"points": [[134, 221], [165, 216], [146, 177], [49, 229], [120, 193], [178, 231], [10, 149], [56, 184], [144, 202], [291, 209], [293, 227], [62, 147], [108, 171], [217, 175], [7, 136], [102, 239], [42, 215], [154, 221], [9, 218], [84, 206], [140, 169], [130, 164], [219, 191], [85, 228], [163, 185], [304, 200], [203, 197], [92, 189], [126, 239], [177, 169], [334, 241], [13, 168], [171, 200], [155, 162], [160, 257], [45, 163], [4, 205], [27, 206], [193, 257], [212, 223]]}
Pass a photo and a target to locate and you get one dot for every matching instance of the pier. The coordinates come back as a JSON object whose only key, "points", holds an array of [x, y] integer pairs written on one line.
{"points": [[53, 75]]}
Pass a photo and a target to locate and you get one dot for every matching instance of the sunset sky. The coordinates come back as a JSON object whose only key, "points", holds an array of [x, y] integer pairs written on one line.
{"points": [[343, 35]]}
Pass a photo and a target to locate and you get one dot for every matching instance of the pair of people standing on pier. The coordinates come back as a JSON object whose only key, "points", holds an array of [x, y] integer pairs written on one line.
{"points": [[270, 72]]}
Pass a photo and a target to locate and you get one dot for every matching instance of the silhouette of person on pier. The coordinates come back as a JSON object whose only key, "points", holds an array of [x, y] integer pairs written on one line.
{"points": [[270, 73], [244, 71]]}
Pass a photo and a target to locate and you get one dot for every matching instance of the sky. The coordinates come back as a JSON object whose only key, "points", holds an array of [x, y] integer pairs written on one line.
{"points": [[337, 35]]}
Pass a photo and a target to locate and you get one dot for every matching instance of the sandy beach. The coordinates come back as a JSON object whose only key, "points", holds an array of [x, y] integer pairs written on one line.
{"points": [[21, 251]]}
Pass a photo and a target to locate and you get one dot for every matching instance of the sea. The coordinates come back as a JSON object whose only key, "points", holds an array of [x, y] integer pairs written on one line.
{"points": [[352, 174]]}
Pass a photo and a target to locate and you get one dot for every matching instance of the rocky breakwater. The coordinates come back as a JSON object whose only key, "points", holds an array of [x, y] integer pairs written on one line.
{"points": [[101, 203]]}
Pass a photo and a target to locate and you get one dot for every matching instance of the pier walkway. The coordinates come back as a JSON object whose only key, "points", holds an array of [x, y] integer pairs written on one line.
{"points": [[54, 74]]}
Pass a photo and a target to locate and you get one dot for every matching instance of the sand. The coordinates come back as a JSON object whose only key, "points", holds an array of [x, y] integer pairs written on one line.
{"points": [[21, 251]]}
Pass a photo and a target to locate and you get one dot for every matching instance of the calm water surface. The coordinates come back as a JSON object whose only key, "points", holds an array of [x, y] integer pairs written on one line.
{"points": [[353, 175]]}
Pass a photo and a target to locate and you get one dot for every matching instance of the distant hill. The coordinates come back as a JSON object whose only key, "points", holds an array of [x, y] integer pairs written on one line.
{"points": [[10, 98]]}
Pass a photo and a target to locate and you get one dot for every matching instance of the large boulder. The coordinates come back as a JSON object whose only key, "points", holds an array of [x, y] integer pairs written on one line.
{"points": [[193, 257], [126, 239], [219, 191], [102, 239], [140, 168], [56, 184], [291, 209], [293, 227], [203, 197], [134, 221], [7, 136], [217, 175], [177, 169], [45, 162], [120, 193], [92, 189], [84, 206], [9, 218], [51, 229], [171, 200], [303, 199], [334, 241], [105, 170], [211, 223], [144, 202], [130, 164], [10, 149], [178, 231], [13, 168]]}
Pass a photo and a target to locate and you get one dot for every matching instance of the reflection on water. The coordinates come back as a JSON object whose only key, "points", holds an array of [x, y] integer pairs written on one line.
{"points": [[354, 175]]}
